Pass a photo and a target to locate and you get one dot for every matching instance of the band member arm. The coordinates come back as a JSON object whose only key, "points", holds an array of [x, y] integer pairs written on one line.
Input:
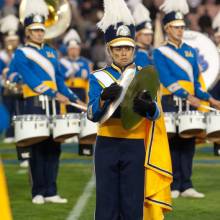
{"points": [[12, 74], [62, 88], [199, 92], [95, 110]]}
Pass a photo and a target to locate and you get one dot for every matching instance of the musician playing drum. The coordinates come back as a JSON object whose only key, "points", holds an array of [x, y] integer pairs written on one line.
{"points": [[119, 153], [37, 63], [177, 65]]}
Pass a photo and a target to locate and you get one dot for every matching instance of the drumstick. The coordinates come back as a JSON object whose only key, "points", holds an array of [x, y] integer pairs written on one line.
{"points": [[209, 108], [78, 106]]}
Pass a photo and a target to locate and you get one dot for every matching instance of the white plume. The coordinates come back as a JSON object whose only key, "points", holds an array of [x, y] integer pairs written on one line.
{"points": [[132, 4], [9, 24], [175, 5], [141, 14], [216, 21], [36, 7], [71, 35], [115, 11]]}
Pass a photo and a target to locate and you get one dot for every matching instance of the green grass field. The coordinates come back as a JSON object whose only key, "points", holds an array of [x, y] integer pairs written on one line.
{"points": [[76, 171]]}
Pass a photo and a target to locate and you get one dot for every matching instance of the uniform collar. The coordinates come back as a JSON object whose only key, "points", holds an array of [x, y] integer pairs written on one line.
{"points": [[37, 46], [118, 69], [174, 45]]}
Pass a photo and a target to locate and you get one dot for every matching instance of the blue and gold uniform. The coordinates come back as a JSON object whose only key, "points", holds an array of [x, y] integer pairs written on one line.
{"points": [[43, 76], [179, 70], [118, 153], [40, 73], [179, 75], [76, 73]]}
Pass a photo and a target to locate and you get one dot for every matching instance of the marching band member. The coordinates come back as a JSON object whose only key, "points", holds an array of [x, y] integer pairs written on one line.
{"points": [[75, 67], [9, 27], [119, 153], [39, 67], [178, 69], [144, 35], [215, 91], [76, 70]]}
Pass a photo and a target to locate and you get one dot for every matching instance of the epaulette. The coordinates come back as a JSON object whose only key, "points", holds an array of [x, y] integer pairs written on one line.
{"points": [[99, 70]]}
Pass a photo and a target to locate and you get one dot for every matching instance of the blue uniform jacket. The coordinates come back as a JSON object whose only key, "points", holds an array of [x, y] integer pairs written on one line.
{"points": [[38, 65], [96, 87], [75, 68], [176, 64]]}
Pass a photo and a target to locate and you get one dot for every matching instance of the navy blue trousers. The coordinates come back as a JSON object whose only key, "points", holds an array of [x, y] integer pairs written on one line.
{"points": [[44, 161], [182, 152], [119, 167]]}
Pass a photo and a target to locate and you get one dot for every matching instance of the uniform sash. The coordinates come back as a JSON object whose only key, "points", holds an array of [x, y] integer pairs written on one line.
{"points": [[40, 60], [178, 60]]}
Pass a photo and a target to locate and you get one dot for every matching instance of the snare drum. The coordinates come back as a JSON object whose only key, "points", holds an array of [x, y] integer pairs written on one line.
{"points": [[65, 126], [213, 126], [191, 124], [170, 123], [31, 129], [88, 131]]}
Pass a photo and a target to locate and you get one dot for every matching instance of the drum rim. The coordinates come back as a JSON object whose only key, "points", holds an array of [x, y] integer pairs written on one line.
{"points": [[30, 117], [68, 116]]}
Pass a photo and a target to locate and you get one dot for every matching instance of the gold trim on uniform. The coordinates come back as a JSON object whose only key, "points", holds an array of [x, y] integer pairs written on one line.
{"points": [[28, 92], [77, 83], [113, 128], [121, 39]]}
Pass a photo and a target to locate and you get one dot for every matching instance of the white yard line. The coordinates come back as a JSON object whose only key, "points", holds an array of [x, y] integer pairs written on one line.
{"points": [[81, 203]]}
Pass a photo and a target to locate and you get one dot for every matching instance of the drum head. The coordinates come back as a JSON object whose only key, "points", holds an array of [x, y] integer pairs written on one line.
{"points": [[191, 133], [90, 139], [30, 141]]}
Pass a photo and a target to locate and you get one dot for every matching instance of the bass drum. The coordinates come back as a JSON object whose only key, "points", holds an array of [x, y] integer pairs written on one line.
{"points": [[208, 55]]}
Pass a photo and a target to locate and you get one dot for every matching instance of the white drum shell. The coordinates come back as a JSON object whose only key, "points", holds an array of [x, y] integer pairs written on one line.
{"points": [[66, 126], [213, 125], [87, 128], [170, 122], [31, 127], [191, 121]]}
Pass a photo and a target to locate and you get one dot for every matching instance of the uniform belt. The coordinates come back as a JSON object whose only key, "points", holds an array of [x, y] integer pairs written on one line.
{"points": [[77, 83], [28, 92], [188, 86], [113, 128]]}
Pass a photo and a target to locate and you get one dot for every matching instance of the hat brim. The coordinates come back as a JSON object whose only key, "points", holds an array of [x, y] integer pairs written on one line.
{"points": [[119, 42], [36, 26], [177, 23], [146, 31]]}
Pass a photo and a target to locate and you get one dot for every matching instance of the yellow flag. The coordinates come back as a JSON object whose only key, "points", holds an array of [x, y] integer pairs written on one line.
{"points": [[5, 210], [158, 172]]}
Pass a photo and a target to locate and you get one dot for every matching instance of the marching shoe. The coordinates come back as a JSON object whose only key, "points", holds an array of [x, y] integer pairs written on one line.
{"points": [[8, 140], [38, 199], [192, 193], [175, 194], [55, 199]]}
